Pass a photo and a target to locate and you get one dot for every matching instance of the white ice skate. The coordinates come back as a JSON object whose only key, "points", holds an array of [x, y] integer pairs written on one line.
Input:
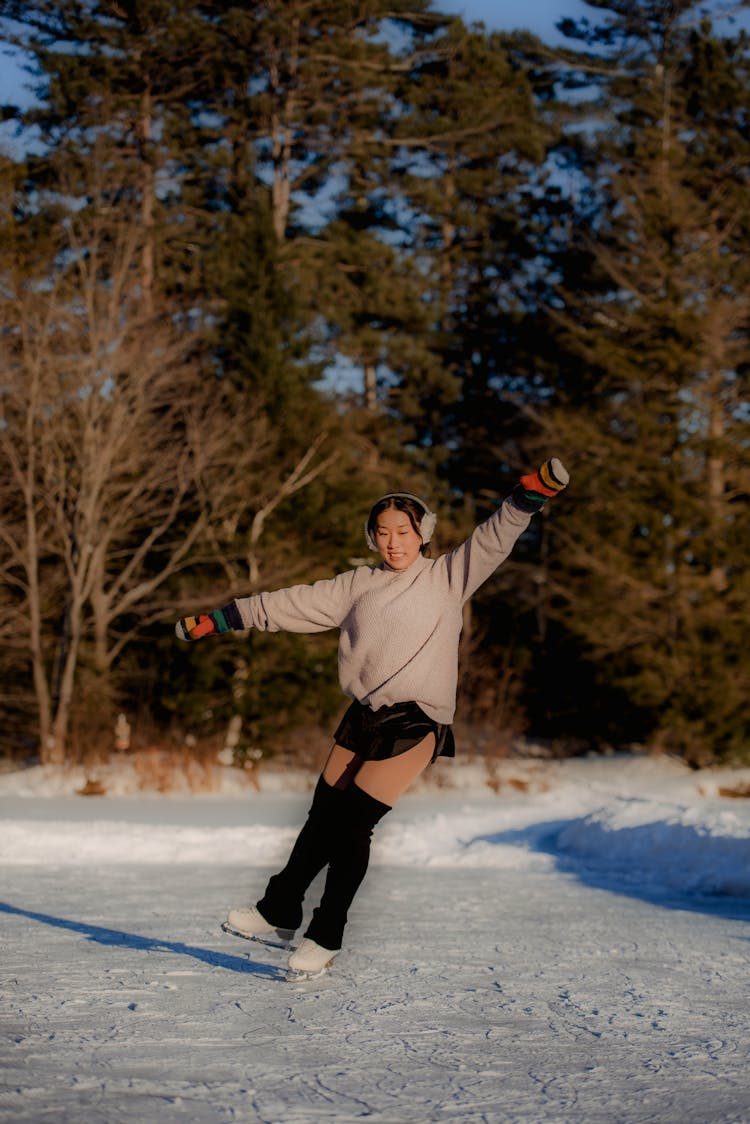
{"points": [[310, 960], [247, 921]]}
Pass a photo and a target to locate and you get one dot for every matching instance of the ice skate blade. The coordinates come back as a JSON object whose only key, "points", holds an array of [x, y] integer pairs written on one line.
{"points": [[295, 976], [270, 941]]}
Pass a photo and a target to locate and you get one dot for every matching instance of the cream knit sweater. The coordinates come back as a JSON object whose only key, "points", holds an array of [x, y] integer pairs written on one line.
{"points": [[399, 630]]}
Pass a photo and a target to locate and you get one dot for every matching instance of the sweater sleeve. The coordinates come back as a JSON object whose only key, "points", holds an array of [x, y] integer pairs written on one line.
{"points": [[471, 563], [299, 608]]}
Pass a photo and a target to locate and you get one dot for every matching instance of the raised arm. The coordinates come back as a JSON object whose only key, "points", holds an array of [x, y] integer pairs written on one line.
{"points": [[470, 564]]}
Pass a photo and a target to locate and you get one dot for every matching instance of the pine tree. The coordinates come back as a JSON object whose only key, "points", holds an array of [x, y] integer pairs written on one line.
{"points": [[652, 570], [288, 88], [468, 141]]}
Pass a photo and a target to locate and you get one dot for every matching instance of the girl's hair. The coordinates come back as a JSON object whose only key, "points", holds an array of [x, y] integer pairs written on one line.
{"points": [[411, 507]]}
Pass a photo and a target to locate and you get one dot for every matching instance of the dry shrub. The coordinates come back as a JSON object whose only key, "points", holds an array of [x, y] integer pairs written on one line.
{"points": [[740, 791], [171, 769], [92, 788], [498, 783], [304, 748]]}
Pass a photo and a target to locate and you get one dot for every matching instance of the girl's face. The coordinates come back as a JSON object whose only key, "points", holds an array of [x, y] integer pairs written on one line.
{"points": [[397, 541]]}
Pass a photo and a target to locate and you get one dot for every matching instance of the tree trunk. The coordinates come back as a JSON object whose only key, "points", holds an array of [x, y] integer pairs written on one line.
{"points": [[715, 470], [282, 126], [60, 726], [147, 205], [41, 686], [371, 389]]}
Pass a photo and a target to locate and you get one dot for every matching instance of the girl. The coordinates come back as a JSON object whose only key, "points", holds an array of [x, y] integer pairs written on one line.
{"points": [[399, 624]]}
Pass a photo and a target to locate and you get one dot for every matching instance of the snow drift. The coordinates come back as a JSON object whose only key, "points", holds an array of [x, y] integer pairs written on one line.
{"points": [[649, 823]]}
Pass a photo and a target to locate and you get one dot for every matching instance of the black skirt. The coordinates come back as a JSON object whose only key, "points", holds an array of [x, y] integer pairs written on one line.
{"points": [[375, 735]]}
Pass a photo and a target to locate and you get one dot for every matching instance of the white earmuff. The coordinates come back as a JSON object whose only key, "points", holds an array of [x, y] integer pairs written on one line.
{"points": [[426, 526]]}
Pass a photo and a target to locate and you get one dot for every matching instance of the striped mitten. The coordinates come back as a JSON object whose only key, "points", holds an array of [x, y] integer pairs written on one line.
{"points": [[533, 491], [210, 624]]}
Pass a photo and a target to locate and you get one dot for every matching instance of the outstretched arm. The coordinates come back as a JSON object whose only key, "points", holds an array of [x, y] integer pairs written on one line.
{"points": [[299, 608]]}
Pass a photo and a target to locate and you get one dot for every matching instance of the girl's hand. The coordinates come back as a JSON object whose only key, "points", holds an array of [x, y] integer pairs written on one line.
{"points": [[209, 624], [534, 489]]}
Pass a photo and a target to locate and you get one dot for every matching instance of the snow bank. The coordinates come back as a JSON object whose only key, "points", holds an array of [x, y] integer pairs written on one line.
{"points": [[693, 849], [645, 822]]}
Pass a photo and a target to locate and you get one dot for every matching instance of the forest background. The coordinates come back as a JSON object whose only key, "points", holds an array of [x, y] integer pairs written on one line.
{"points": [[262, 263]]}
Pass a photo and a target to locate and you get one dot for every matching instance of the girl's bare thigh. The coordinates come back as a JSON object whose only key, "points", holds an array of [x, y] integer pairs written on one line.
{"points": [[384, 780]]}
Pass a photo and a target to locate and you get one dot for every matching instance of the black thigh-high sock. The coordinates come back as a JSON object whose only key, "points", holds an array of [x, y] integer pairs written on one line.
{"points": [[350, 855], [281, 905]]}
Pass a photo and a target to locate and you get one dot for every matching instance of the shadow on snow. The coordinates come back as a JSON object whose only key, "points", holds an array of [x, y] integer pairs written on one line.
{"points": [[115, 937], [621, 876]]}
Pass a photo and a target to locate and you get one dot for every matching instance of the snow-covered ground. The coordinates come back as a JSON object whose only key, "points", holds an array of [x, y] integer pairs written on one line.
{"points": [[570, 945]]}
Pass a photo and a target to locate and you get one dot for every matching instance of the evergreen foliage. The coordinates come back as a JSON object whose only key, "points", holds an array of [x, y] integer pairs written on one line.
{"points": [[516, 252], [655, 579]]}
